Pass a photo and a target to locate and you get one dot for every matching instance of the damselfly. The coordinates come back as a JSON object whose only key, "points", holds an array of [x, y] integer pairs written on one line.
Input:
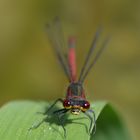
{"points": [[75, 100]]}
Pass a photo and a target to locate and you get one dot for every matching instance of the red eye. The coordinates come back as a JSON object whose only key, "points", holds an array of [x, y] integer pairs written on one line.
{"points": [[67, 104], [86, 105]]}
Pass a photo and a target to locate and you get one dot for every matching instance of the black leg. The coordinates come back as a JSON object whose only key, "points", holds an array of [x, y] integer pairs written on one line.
{"points": [[34, 126], [59, 114], [58, 100], [92, 119]]}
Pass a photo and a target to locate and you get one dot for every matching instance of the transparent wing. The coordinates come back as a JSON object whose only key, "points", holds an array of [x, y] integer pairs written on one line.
{"points": [[56, 44]]}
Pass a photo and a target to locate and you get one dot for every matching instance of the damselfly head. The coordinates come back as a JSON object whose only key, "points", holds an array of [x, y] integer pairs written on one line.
{"points": [[75, 105]]}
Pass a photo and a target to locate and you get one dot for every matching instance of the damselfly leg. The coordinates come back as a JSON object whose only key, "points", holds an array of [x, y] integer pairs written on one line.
{"points": [[50, 108], [92, 121], [36, 125]]}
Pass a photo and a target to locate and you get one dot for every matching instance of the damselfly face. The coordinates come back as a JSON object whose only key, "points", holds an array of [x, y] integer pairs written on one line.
{"points": [[76, 105]]}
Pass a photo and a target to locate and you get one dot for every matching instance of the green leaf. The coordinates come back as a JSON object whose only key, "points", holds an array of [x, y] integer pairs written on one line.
{"points": [[16, 119]]}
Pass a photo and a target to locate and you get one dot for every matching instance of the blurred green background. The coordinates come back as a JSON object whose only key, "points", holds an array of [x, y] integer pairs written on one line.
{"points": [[29, 69]]}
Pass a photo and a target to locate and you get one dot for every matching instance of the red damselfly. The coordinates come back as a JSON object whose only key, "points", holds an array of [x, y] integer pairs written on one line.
{"points": [[75, 100]]}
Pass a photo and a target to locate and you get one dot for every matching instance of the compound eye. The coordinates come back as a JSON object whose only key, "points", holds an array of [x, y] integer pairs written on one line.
{"points": [[86, 105], [67, 104]]}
